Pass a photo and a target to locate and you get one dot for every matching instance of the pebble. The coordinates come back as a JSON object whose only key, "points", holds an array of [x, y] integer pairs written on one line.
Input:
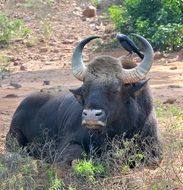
{"points": [[170, 101]]}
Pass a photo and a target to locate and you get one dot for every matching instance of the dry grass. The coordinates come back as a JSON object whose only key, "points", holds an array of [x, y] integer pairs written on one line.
{"points": [[109, 173]]}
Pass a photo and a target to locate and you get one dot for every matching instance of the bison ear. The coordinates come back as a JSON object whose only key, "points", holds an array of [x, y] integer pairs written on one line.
{"points": [[77, 94], [137, 88]]}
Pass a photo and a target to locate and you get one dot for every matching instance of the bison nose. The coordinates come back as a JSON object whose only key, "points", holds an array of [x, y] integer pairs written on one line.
{"points": [[93, 118], [95, 114]]}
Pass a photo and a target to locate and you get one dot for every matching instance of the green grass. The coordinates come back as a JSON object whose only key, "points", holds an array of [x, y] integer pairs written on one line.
{"points": [[11, 29], [4, 62], [168, 110], [4, 59]]}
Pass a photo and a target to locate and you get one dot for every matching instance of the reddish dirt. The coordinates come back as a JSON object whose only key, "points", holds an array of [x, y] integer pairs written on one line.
{"points": [[54, 65]]}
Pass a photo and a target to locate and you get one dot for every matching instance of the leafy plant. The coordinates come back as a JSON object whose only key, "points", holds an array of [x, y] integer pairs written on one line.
{"points": [[88, 169], [30, 42], [4, 60], [46, 29], [168, 37], [116, 14], [11, 29], [56, 184], [159, 21]]}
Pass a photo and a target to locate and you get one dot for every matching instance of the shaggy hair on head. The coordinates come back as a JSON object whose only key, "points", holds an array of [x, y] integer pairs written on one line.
{"points": [[107, 67]]}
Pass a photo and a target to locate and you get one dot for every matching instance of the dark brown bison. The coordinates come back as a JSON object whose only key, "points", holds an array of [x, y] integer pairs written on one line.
{"points": [[113, 100]]}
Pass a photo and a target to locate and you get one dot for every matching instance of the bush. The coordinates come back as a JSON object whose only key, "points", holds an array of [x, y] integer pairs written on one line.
{"points": [[159, 21], [116, 14], [168, 37], [11, 29], [87, 169]]}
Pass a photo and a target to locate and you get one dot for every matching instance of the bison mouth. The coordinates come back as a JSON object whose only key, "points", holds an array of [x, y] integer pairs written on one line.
{"points": [[93, 124], [93, 118]]}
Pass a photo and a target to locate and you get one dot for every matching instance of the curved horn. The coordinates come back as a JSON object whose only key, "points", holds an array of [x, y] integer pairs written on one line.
{"points": [[140, 71], [78, 67]]}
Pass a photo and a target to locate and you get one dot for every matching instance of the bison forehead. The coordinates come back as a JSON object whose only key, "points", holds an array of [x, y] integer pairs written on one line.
{"points": [[104, 67]]}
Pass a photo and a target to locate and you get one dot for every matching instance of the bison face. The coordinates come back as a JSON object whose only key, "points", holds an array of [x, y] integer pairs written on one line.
{"points": [[108, 86], [104, 101]]}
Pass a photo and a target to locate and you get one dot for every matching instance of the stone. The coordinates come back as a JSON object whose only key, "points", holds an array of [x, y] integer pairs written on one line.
{"points": [[173, 68], [174, 86], [15, 85], [158, 55], [46, 82], [68, 41], [23, 68], [15, 63], [56, 51], [43, 49], [170, 101], [11, 96], [90, 12]]}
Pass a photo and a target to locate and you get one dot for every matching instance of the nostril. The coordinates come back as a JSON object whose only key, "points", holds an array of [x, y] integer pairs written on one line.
{"points": [[98, 113], [93, 114], [84, 113]]}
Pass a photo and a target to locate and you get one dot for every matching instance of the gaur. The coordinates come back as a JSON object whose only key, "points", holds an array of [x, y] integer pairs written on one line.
{"points": [[114, 100]]}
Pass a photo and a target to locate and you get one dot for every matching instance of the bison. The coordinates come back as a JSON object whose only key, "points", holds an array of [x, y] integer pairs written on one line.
{"points": [[113, 100]]}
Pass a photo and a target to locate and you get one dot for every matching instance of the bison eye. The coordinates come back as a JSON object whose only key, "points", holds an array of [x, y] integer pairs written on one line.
{"points": [[84, 91]]}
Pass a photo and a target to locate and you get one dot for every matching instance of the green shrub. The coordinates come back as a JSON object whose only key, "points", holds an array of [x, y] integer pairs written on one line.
{"points": [[11, 29], [87, 169], [56, 184], [161, 22], [4, 60], [168, 37], [116, 14]]}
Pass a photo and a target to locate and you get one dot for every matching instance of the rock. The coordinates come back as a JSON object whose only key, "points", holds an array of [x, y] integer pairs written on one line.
{"points": [[90, 12], [42, 40], [43, 49], [173, 68], [174, 86], [15, 63], [11, 96], [170, 101], [56, 51], [68, 41], [11, 58], [3, 136], [47, 62], [23, 68], [46, 82], [163, 60], [158, 55], [15, 85]]}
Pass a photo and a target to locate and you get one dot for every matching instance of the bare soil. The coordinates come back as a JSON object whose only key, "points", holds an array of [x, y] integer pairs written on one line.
{"points": [[49, 60]]}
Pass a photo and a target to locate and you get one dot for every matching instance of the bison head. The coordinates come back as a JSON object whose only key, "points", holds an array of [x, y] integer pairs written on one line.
{"points": [[108, 86]]}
